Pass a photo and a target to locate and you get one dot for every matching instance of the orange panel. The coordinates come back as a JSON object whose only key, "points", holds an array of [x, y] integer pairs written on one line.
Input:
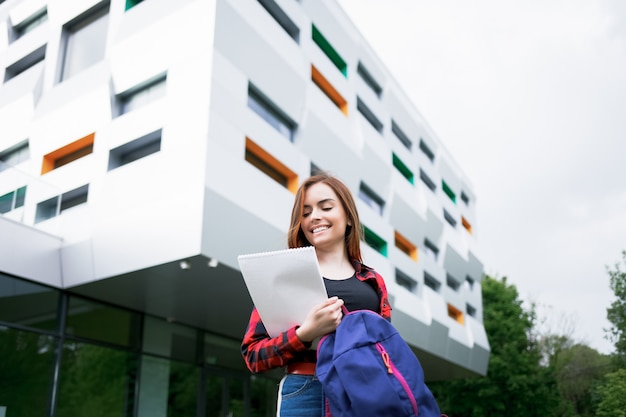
{"points": [[49, 160]]}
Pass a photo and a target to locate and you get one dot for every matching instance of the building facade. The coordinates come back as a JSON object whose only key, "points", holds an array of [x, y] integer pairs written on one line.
{"points": [[144, 145]]}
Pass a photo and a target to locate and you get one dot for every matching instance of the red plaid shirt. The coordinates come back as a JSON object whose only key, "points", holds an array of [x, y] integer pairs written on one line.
{"points": [[262, 352]]}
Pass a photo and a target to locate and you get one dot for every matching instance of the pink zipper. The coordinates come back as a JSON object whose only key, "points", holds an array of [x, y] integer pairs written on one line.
{"points": [[391, 369]]}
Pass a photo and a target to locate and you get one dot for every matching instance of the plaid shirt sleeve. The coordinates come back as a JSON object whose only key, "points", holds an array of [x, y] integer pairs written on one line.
{"points": [[364, 272], [262, 352]]}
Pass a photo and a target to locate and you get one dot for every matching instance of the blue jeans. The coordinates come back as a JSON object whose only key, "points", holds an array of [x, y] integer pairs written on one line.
{"points": [[300, 396]]}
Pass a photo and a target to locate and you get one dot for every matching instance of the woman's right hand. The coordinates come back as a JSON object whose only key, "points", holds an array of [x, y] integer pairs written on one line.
{"points": [[321, 319]]}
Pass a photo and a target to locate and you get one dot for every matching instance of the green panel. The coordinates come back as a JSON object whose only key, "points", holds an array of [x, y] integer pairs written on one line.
{"points": [[374, 241], [330, 52], [404, 170], [448, 191], [132, 3]]}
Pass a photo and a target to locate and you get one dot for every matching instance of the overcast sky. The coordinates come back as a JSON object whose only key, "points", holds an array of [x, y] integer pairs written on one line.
{"points": [[530, 99]]}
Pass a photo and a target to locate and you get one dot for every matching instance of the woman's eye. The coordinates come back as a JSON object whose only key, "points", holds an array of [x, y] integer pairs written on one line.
{"points": [[327, 208], [306, 214]]}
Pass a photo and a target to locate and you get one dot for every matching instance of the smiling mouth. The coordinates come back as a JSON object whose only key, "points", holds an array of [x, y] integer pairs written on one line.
{"points": [[319, 229]]}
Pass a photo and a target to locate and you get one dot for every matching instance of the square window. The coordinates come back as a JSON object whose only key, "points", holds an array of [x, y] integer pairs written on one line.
{"points": [[75, 197], [140, 95], [405, 281], [430, 249], [369, 115], [368, 79], [14, 155], [426, 150], [370, 198], [451, 220], [431, 282], [269, 112], [134, 150], [402, 137], [29, 61], [30, 23], [426, 180], [452, 283], [84, 42], [282, 19], [47, 209]]}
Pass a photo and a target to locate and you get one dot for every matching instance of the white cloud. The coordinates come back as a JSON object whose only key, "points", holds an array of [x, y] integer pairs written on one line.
{"points": [[530, 98]]}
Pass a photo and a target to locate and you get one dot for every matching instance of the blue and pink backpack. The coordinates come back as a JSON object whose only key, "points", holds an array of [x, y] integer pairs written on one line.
{"points": [[367, 370]]}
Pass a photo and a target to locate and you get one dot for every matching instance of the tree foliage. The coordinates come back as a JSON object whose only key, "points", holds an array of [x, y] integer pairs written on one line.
{"points": [[612, 393], [516, 384], [616, 313]]}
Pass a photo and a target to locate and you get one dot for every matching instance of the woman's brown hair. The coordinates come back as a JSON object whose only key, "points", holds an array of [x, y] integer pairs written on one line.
{"points": [[296, 238]]}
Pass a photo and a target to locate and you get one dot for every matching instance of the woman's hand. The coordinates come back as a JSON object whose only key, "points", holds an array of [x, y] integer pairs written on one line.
{"points": [[321, 319]]}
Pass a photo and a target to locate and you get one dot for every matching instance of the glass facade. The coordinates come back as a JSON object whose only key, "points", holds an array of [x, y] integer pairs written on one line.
{"points": [[62, 355]]}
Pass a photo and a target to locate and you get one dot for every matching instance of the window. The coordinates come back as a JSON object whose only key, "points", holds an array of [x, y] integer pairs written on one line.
{"points": [[68, 153], [405, 281], [14, 155], [464, 198], [370, 198], [12, 200], [328, 89], [31, 23], [132, 3], [269, 112], [369, 115], [84, 42], [75, 197], [281, 18], [29, 61], [405, 246], [455, 314], [426, 150], [404, 139], [403, 169], [374, 241], [431, 282], [426, 180], [53, 206], [134, 150], [469, 283], [451, 220], [452, 283], [471, 311], [315, 169], [430, 249], [142, 94], [448, 191], [330, 52], [271, 166], [369, 80], [466, 225]]}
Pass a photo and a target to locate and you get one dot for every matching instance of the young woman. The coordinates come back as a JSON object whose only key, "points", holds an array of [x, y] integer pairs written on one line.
{"points": [[324, 215]]}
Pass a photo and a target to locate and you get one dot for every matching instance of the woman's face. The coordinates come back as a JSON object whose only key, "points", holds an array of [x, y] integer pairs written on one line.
{"points": [[324, 220]]}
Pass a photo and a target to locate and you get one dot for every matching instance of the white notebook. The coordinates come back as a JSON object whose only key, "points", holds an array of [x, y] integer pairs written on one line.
{"points": [[284, 285]]}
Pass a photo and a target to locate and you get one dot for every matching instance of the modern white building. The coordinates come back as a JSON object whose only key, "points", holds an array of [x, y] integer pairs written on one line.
{"points": [[144, 145]]}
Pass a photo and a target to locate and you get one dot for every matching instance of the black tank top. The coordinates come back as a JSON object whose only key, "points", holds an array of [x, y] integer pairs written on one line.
{"points": [[356, 294]]}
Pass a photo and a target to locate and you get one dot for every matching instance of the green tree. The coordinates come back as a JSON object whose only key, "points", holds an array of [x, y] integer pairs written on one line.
{"points": [[616, 313], [516, 383], [612, 392], [578, 369]]}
